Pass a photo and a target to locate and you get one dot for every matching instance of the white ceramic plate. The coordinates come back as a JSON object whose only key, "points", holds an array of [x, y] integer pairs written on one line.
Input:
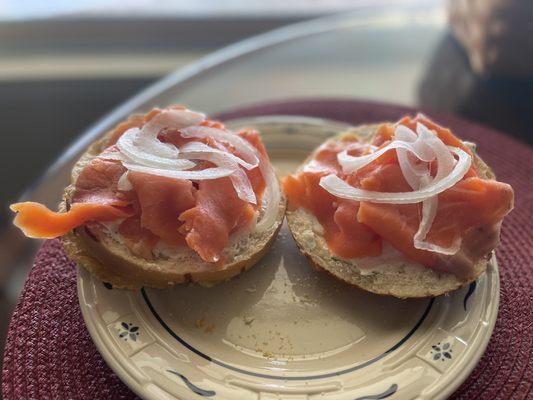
{"points": [[283, 330]]}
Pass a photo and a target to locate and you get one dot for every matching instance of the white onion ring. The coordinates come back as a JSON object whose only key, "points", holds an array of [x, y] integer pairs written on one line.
{"points": [[208, 173], [124, 183], [417, 176], [337, 187], [244, 148], [143, 149], [422, 244], [445, 160], [411, 171], [141, 146], [199, 147], [445, 164], [241, 183], [272, 195], [429, 212], [351, 163], [173, 119]]}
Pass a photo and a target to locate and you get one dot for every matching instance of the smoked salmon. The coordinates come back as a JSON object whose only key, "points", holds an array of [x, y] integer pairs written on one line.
{"points": [[468, 213], [53, 224], [144, 195]]}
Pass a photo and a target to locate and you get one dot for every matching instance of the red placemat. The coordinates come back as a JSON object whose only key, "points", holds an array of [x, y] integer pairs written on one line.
{"points": [[49, 353]]}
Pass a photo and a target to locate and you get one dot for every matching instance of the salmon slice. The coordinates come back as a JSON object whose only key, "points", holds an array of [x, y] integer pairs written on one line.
{"points": [[398, 223], [37, 221], [344, 235], [352, 240], [97, 184], [490, 199], [161, 201], [139, 240], [217, 213]]}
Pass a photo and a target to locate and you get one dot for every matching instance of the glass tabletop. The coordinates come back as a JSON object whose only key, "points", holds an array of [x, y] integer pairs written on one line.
{"points": [[377, 53]]}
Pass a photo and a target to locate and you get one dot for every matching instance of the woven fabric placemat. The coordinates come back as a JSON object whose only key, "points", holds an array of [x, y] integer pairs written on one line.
{"points": [[49, 353]]}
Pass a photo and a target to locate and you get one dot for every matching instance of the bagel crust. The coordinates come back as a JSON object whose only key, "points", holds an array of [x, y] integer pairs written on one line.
{"points": [[408, 280]]}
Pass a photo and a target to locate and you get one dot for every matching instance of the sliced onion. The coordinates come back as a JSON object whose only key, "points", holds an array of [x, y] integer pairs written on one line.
{"points": [[429, 212], [173, 119], [412, 171], [150, 151], [248, 152], [445, 164], [151, 144], [199, 147], [448, 251], [352, 163], [124, 183], [208, 173], [445, 160], [271, 196], [418, 176], [337, 187], [240, 181]]}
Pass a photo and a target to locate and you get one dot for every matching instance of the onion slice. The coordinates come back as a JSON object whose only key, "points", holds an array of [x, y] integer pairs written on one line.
{"points": [[337, 187], [142, 149], [124, 183], [172, 119], [429, 212], [199, 147], [351, 163], [271, 197], [208, 173], [445, 164], [412, 171], [243, 147], [241, 183]]}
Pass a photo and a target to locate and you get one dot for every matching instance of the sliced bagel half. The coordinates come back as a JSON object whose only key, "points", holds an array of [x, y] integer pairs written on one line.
{"points": [[108, 259], [405, 279]]}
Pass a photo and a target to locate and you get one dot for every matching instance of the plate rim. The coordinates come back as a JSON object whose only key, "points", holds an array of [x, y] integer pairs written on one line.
{"points": [[470, 357]]}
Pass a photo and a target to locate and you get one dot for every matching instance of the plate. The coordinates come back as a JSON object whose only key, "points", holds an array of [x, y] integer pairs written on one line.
{"points": [[285, 331]]}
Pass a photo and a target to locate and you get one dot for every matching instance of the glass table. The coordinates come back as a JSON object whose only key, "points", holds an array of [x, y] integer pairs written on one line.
{"points": [[376, 53]]}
